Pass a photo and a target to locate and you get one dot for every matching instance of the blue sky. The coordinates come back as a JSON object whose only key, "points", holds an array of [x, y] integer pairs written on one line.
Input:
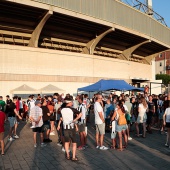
{"points": [[162, 7]]}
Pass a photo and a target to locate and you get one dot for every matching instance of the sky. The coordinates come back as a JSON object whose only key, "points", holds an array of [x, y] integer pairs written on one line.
{"points": [[162, 7]]}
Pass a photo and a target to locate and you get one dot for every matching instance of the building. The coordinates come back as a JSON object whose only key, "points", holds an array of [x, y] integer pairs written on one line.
{"points": [[162, 63], [74, 43]]}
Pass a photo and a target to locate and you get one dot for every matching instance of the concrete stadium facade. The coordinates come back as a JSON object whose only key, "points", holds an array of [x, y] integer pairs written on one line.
{"points": [[85, 49]]}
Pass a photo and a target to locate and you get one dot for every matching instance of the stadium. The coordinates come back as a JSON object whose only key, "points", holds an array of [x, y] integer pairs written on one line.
{"points": [[73, 43]]}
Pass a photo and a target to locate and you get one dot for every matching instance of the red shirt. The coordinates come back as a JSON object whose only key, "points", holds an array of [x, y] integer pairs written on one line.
{"points": [[2, 120], [17, 105], [51, 108]]}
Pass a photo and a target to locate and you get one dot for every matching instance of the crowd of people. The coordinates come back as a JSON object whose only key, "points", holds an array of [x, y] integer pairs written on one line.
{"points": [[113, 114]]}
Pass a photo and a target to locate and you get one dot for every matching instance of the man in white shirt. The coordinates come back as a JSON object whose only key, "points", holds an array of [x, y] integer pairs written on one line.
{"points": [[100, 123], [69, 118], [37, 122]]}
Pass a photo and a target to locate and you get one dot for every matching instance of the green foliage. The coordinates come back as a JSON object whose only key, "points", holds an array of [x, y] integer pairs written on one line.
{"points": [[164, 77]]}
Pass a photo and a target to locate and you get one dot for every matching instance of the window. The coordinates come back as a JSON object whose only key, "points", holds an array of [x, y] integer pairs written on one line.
{"points": [[160, 64], [160, 55], [160, 72], [168, 67]]}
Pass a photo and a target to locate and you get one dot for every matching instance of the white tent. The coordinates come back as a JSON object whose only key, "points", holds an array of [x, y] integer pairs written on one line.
{"points": [[51, 89], [24, 89]]}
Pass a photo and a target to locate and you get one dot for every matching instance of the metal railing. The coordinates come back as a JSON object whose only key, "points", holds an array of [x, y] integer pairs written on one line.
{"points": [[145, 9]]}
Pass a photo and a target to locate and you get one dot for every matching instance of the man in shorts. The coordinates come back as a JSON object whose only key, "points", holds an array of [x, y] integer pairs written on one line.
{"points": [[13, 113], [2, 120], [17, 120], [100, 123], [46, 121], [69, 118], [37, 122]]}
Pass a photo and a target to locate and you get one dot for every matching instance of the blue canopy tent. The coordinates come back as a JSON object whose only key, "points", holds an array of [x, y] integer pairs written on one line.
{"points": [[106, 85]]}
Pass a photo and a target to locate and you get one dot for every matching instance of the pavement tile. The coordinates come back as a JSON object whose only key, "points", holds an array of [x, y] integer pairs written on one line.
{"points": [[149, 154], [14, 161], [16, 166], [41, 165], [25, 167], [49, 166], [7, 166], [59, 167], [54, 162]]}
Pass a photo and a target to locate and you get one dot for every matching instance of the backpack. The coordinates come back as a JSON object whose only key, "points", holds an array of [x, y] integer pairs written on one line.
{"points": [[122, 120]]}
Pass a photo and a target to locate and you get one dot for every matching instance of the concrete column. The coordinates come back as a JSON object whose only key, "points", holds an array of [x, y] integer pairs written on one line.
{"points": [[33, 42], [91, 45], [128, 52], [148, 59]]}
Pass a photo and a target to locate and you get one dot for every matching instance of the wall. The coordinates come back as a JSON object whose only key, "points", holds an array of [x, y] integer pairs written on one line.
{"points": [[39, 67]]}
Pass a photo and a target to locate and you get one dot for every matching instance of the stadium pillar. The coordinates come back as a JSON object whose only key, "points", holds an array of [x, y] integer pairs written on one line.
{"points": [[36, 33], [125, 55], [148, 59], [91, 45]]}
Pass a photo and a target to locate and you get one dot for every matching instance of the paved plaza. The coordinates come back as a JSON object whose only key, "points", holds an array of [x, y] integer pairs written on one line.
{"points": [[145, 154]]}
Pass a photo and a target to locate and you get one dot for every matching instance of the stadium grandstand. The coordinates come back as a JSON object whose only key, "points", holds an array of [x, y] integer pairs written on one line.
{"points": [[73, 43]]}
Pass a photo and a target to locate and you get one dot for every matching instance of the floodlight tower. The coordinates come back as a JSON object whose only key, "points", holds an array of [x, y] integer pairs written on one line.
{"points": [[149, 5]]}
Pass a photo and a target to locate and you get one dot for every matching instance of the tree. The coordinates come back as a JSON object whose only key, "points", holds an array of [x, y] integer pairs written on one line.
{"points": [[164, 77]]}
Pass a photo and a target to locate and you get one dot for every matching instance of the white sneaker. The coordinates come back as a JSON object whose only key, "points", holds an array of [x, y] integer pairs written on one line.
{"points": [[86, 146], [104, 148], [11, 139], [35, 145], [166, 145], [97, 147], [52, 133], [16, 136], [59, 144], [32, 127], [43, 145], [63, 149], [129, 138]]}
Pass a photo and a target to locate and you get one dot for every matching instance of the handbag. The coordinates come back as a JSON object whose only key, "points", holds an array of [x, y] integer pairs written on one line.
{"points": [[113, 131]]}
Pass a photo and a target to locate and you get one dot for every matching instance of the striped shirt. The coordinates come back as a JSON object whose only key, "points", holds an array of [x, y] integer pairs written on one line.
{"points": [[35, 113]]}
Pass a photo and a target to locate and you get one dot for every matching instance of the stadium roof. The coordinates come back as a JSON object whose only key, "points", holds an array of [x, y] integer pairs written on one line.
{"points": [[68, 33]]}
